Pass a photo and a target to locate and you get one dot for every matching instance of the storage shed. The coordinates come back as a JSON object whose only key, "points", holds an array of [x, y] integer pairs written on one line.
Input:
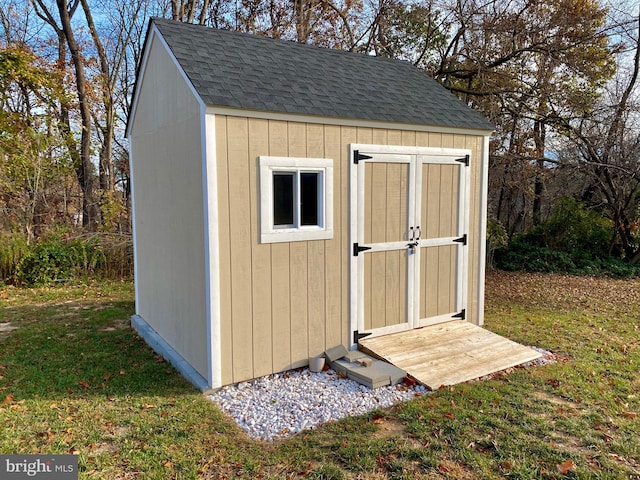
{"points": [[289, 198]]}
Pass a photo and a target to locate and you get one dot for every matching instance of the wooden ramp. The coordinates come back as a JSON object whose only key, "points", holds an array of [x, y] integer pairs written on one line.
{"points": [[448, 353]]}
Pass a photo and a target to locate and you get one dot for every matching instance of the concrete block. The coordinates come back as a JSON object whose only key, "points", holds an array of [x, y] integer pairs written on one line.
{"points": [[340, 366], [336, 353], [368, 382], [354, 355], [368, 374], [365, 362], [396, 375]]}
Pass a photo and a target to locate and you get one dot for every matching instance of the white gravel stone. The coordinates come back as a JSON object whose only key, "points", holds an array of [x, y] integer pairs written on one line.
{"points": [[281, 405]]}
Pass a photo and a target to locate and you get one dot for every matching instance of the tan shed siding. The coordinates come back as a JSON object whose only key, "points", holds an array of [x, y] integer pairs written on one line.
{"points": [[282, 303], [167, 160]]}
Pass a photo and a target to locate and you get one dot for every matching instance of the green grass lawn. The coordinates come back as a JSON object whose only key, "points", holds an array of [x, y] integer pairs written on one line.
{"points": [[74, 378]]}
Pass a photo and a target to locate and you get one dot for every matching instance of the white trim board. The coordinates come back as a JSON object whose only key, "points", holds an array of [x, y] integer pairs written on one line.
{"points": [[413, 156], [212, 250], [346, 122]]}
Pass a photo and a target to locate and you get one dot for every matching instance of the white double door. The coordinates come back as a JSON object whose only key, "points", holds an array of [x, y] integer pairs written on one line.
{"points": [[409, 222]]}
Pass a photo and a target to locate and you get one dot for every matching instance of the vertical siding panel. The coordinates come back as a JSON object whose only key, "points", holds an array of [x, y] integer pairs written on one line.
{"points": [[379, 136], [334, 251], [392, 234], [299, 295], [408, 138], [260, 257], [430, 217], [377, 269], [280, 288], [348, 135], [240, 233], [422, 139], [394, 137], [316, 263], [226, 337]]}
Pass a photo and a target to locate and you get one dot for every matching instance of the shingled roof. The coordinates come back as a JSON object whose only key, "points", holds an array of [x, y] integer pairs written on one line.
{"points": [[238, 70]]}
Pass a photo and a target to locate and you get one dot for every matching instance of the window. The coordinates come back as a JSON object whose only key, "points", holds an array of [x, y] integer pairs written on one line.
{"points": [[296, 200]]}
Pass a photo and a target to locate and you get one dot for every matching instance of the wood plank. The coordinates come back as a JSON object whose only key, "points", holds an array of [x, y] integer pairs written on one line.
{"points": [[299, 304], [316, 264], [393, 234], [299, 294], [334, 254], [240, 232], [378, 219], [280, 288], [316, 298], [449, 353], [394, 137], [376, 283], [260, 257]]}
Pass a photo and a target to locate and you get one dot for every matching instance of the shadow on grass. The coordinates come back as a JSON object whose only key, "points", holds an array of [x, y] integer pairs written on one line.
{"points": [[80, 349]]}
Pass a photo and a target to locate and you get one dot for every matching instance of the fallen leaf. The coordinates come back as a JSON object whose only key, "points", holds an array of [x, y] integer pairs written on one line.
{"points": [[566, 467], [8, 399], [450, 416], [84, 384], [630, 414]]}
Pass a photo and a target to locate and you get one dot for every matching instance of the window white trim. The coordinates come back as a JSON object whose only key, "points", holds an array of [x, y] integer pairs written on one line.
{"points": [[293, 233]]}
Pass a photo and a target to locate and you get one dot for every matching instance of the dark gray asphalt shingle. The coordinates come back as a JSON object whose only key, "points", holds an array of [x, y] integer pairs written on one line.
{"points": [[233, 69]]}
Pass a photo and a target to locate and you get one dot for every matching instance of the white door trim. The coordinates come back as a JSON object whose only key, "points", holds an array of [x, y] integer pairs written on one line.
{"points": [[418, 157]]}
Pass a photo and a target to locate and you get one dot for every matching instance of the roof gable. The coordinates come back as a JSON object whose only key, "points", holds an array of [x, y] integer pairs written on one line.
{"points": [[237, 70]]}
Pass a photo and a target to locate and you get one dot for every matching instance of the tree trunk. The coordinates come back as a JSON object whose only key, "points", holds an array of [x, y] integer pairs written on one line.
{"points": [[539, 134], [85, 170]]}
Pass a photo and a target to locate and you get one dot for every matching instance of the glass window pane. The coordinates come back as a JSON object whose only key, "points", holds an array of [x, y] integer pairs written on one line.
{"points": [[309, 198], [283, 195]]}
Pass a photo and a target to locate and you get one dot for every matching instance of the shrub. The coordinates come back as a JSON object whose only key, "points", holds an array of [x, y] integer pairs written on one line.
{"points": [[574, 240], [13, 246], [56, 259]]}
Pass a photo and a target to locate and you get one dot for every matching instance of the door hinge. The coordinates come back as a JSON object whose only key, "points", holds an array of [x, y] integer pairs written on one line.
{"points": [[357, 336], [462, 315], [464, 160], [357, 156], [357, 249], [462, 239]]}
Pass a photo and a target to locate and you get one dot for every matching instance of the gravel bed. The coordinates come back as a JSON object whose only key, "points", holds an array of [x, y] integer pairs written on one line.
{"points": [[284, 404], [281, 405]]}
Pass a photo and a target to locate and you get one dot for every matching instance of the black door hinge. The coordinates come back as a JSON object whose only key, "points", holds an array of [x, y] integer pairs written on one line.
{"points": [[357, 156], [462, 239], [357, 249], [357, 336], [464, 160], [462, 315]]}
